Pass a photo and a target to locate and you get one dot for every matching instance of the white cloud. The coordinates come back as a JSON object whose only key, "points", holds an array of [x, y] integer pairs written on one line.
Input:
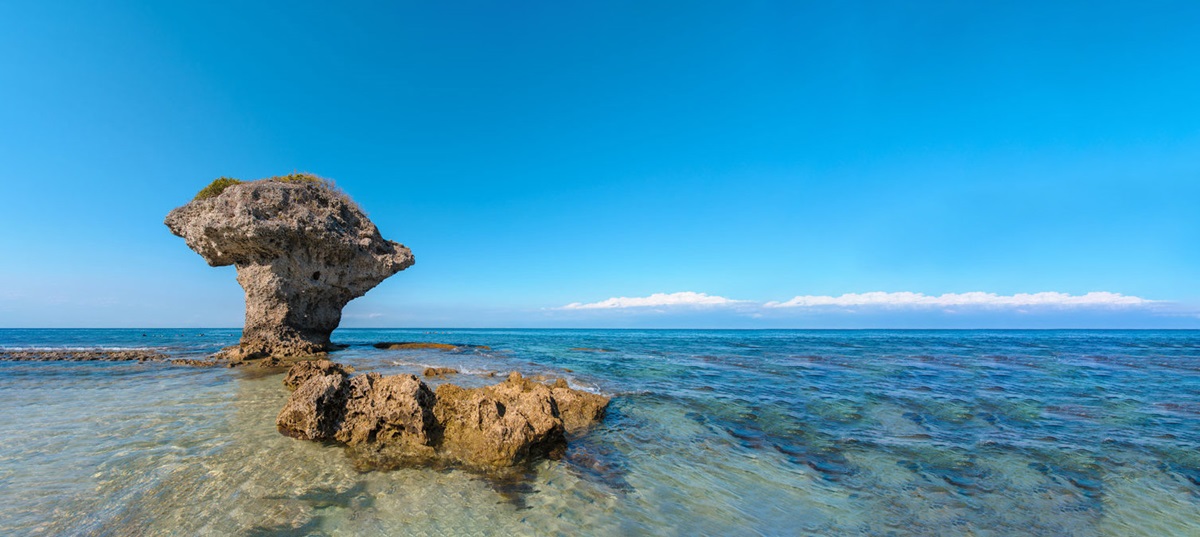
{"points": [[685, 298], [971, 299]]}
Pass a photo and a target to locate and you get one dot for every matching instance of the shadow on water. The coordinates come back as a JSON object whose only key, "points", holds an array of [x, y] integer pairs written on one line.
{"points": [[309, 528], [319, 499], [598, 463], [513, 486], [587, 457], [355, 497]]}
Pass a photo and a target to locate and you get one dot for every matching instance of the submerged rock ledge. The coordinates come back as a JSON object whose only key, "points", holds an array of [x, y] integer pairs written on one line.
{"points": [[100, 355], [424, 345], [393, 421], [302, 250], [83, 355]]}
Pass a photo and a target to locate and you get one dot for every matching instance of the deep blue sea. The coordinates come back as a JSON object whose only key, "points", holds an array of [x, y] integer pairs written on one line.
{"points": [[772, 432]]}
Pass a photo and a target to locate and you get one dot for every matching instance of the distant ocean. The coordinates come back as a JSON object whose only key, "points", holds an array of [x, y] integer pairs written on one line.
{"points": [[773, 432]]}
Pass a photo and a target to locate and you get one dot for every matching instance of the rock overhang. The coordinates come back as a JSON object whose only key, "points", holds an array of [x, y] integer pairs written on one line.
{"points": [[302, 249]]}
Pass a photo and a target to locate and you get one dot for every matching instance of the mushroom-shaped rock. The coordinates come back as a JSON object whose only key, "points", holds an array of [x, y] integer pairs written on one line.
{"points": [[302, 250]]}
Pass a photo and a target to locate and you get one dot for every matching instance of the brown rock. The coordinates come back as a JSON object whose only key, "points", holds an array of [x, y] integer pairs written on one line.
{"points": [[439, 371], [195, 363], [271, 361], [236, 355], [315, 409], [396, 411], [302, 371], [579, 410], [302, 251], [499, 425], [396, 420], [576, 408], [83, 355]]}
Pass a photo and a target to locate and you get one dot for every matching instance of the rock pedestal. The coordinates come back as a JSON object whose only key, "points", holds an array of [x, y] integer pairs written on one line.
{"points": [[302, 250]]}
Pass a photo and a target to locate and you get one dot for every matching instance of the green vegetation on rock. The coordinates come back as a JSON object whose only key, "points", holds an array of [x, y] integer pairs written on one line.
{"points": [[299, 177], [220, 184], [305, 177], [216, 187]]}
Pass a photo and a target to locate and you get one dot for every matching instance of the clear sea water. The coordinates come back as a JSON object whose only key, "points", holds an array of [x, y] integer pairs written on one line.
{"points": [[709, 433]]}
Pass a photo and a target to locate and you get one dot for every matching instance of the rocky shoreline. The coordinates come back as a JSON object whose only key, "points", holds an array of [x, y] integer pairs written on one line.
{"points": [[303, 250], [83, 355], [106, 355], [388, 422], [98, 354]]}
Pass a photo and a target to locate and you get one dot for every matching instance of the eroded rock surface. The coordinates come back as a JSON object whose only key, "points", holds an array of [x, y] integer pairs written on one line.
{"points": [[439, 371], [499, 425], [302, 371], [302, 251], [396, 420], [315, 409], [83, 355]]}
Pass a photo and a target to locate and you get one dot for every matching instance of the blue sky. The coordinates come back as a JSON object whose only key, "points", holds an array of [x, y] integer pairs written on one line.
{"points": [[542, 155]]}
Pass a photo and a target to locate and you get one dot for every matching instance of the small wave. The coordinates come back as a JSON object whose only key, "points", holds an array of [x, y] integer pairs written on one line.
{"points": [[577, 384], [480, 372], [461, 370]]}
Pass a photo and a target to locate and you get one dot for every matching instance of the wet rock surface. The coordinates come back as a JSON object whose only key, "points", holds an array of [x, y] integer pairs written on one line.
{"points": [[393, 421], [83, 355], [102, 355], [302, 251], [206, 362], [499, 425], [439, 371], [302, 371]]}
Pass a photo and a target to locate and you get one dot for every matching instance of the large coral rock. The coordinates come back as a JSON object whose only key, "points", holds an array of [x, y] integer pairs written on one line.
{"points": [[302, 371], [303, 250], [499, 425], [394, 410], [315, 410], [579, 409], [396, 420]]}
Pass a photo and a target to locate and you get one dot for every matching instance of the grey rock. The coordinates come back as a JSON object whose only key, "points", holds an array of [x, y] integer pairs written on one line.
{"points": [[302, 251]]}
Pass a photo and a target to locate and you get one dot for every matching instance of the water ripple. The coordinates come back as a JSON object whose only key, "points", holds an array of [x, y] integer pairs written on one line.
{"points": [[710, 432]]}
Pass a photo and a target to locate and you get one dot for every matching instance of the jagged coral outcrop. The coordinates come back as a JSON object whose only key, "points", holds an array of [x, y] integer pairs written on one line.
{"points": [[397, 420]]}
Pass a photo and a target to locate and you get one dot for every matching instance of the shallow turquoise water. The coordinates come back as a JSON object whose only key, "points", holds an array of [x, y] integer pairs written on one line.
{"points": [[709, 433]]}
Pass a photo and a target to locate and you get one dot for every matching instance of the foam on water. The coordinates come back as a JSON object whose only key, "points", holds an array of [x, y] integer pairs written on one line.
{"points": [[709, 432]]}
